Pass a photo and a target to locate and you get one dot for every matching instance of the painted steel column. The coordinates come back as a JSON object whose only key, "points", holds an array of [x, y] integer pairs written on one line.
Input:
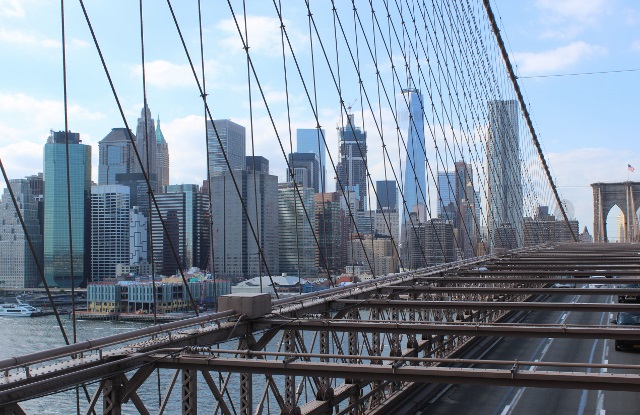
{"points": [[112, 396], [354, 314], [13, 409], [246, 381], [325, 391], [289, 380], [189, 392]]}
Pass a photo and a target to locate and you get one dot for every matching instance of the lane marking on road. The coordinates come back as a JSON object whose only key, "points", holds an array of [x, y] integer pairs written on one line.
{"points": [[545, 344], [600, 407], [604, 359], [583, 397]]}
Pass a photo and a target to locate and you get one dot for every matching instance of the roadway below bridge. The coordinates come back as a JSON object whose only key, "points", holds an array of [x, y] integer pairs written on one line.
{"points": [[501, 400]]}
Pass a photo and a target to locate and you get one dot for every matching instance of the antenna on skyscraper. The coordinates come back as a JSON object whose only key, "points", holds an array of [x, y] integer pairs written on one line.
{"points": [[351, 105]]}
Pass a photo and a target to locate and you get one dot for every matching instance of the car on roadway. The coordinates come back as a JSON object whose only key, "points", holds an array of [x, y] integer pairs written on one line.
{"points": [[565, 284], [599, 282], [627, 319], [628, 298]]}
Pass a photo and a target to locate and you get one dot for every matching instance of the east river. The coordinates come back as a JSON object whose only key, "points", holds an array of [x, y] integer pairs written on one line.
{"points": [[20, 336]]}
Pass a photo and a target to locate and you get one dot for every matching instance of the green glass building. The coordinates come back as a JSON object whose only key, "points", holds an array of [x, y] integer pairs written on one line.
{"points": [[57, 269]]}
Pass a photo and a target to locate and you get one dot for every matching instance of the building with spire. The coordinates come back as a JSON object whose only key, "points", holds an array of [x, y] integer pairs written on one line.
{"points": [[411, 129], [162, 158], [146, 143]]}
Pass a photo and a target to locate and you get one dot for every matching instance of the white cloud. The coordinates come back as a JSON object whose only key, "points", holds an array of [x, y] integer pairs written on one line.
{"points": [[631, 16], [21, 39], [186, 137], [47, 111], [583, 10], [165, 74], [530, 63], [11, 8], [21, 158], [636, 45], [566, 19], [25, 122], [264, 35]]}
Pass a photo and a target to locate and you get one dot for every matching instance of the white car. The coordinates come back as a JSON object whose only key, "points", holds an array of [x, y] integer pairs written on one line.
{"points": [[601, 283]]}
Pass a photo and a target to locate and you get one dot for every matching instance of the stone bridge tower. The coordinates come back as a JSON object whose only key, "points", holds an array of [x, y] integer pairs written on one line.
{"points": [[626, 195]]}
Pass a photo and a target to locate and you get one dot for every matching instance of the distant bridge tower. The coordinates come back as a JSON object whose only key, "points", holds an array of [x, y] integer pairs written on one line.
{"points": [[626, 195]]}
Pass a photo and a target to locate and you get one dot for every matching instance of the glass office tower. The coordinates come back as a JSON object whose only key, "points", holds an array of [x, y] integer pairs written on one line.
{"points": [[311, 140], [411, 127], [57, 265], [504, 171]]}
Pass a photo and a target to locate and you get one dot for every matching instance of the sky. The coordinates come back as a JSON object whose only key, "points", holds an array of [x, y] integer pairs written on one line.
{"points": [[587, 124]]}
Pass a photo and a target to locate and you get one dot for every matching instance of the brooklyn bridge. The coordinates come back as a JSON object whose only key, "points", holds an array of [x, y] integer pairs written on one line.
{"points": [[445, 274]]}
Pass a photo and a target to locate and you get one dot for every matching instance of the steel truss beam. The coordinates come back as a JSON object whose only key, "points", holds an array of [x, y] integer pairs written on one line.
{"points": [[419, 374], [524, 290], [472, 329], [489, 305]]}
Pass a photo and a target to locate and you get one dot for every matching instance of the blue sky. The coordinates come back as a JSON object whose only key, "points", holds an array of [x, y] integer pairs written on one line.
{"points": [[587, 124]]}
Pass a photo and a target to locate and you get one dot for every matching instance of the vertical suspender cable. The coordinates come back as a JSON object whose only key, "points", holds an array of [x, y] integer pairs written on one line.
{"points": [[209, 176], [66, 142], [146, 141], [525, 111]]}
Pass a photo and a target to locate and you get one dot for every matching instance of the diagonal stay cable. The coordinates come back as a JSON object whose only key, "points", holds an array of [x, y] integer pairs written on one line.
{"points": [[264, 99], [224, 154], [137, 153]]}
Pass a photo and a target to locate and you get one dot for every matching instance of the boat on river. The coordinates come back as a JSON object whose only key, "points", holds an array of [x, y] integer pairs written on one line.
{"points": [[19, 310]]}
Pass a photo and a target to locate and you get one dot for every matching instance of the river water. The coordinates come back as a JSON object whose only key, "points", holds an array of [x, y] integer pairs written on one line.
{"points": [[20, 336]]}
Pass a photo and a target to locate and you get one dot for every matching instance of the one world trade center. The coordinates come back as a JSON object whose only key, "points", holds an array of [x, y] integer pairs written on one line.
{"points": [[411, 128]]}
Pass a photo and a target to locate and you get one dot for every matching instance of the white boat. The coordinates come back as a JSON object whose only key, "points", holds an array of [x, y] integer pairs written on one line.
{"points": [[19, 310]]}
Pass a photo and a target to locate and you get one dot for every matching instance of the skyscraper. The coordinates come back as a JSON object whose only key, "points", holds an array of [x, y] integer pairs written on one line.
{"points": [[138, 189], [115, 155], [466, 220], [17, 265], [110, 239], [56, 223], [297, 244], [352, 165], [505, 203], [231, 137], [147, 146], [387, 194], [306, 169], [311, 140], [332, 232], [446, 195], [236, 252], [257, 163], [162, 156], [184, 210], [411, 127]]}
